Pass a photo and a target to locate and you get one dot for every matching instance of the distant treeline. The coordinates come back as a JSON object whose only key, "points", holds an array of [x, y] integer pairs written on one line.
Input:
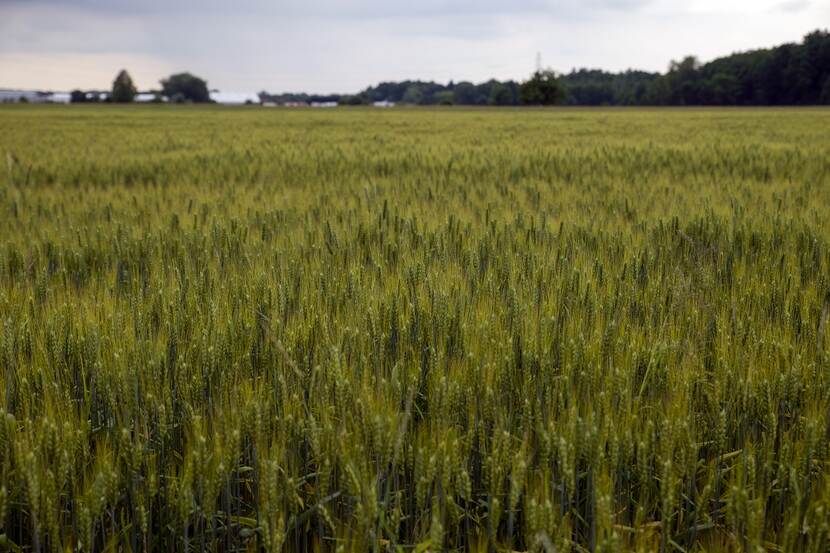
{"points": [[299, 98], [790, 74]]}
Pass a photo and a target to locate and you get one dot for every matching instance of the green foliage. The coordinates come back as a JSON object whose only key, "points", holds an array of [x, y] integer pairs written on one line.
{"points": [[413, 95], [825, 92], [542, 89], [465, 93], [123, 89], [353, 100], [380, 330], [501, 95], [444, 98], [77, 96], [184, 87]]}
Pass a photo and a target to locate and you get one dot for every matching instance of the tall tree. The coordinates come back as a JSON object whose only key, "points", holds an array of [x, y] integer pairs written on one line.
{"points": [[123, 89], [542, 89], [185, 87]]}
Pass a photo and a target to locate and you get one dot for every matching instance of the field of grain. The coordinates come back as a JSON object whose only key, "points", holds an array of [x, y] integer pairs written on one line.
{"points": [[414, 330]]}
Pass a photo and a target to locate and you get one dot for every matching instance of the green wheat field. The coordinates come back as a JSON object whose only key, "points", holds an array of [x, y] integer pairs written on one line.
{"points": [[567, 330]]}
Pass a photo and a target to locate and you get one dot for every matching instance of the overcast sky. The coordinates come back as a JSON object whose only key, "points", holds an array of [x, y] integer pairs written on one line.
{"points": [[346, 45]]}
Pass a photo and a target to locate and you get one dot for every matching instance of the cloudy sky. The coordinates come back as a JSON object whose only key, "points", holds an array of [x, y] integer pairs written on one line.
{"points": [[345, 45]]}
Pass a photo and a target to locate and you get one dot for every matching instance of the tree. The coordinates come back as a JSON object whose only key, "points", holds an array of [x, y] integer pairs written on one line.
{"points": [[413, 95], [464, 94], [500, 95], [682, 79], [77, 96], [825, 92], [185, 87], [353, 100], [721, 90], [542, 89], [443, 98], [123, 89]]}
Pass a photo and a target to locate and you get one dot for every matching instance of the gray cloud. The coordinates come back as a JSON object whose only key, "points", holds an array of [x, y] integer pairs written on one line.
{"points": [[793, 5], [340, 9]]}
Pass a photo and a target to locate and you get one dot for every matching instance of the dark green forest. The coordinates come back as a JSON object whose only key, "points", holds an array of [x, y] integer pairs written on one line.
{"points": [[789, 74]]}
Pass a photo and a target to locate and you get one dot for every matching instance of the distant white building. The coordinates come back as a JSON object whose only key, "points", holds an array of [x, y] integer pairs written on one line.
{"points": [[96, 96], [61, 98], [324, 104], [33, 96], [146, 97], [383, 104], [234, 98], [17, 95]]}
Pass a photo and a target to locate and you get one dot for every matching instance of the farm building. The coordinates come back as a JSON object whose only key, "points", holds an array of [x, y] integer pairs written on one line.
{"points": [[33, 96]]}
